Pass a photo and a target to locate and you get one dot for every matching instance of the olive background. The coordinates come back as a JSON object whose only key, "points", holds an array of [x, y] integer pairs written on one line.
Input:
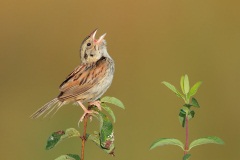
{"points": [[151, 41]]}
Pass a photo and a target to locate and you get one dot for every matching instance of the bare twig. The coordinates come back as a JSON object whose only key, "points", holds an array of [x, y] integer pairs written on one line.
{"points": [[83, 137], [187, 136]]}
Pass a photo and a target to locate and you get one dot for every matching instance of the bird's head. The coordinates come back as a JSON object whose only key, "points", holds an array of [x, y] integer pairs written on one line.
{"points": [[93, 49]]}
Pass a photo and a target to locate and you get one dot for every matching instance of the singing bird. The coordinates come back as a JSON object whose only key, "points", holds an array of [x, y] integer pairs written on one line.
{"points": [[88, 81]]}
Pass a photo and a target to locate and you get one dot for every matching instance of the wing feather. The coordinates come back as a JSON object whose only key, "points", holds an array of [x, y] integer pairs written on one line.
{"points": [[83, 78]]}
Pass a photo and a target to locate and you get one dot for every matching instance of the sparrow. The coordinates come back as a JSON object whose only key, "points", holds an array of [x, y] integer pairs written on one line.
{"points": [[88, 81]]}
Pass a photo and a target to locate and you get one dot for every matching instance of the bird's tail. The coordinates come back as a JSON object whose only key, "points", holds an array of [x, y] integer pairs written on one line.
{"points": [[50, 106]]}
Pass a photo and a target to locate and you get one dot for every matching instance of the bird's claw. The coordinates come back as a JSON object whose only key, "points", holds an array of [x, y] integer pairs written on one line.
{"points": [[87, 113], [96, 103]]}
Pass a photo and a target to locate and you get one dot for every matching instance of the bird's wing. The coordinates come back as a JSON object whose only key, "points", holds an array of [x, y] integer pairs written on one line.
{"points": [[83, 78]]}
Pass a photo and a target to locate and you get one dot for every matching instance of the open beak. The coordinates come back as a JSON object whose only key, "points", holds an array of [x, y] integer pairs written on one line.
{"points": [[97, 41], [101, 38]]}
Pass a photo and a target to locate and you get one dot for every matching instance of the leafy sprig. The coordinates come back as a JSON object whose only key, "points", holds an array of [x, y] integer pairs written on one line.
{"points": [[104, 138], [186, 113]]}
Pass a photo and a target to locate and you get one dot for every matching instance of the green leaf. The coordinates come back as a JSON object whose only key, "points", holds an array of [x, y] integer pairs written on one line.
{"points": [[69, 157], [186, 109], [69, 133], [182, 117], [58, 136], [186, 84], [194, 89], [109, 110], [195, 103], [206, 140], [77, 157], [106, 132], [172, 88], [186, 156], [113, 100], [53, 139], [105, 138], [182, 84], [96, 139], [191, 114], [167, 141]]}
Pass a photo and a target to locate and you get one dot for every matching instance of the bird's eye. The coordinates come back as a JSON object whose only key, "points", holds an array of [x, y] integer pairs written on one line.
{"points": [[88, 44]]}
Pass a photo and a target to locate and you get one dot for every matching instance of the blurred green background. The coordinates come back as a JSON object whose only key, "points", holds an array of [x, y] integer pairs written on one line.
{"points": [[151, 41]]}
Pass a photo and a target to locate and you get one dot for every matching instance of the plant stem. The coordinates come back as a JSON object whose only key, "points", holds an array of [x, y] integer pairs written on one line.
{"points": [[187, 136], [83, 137]]}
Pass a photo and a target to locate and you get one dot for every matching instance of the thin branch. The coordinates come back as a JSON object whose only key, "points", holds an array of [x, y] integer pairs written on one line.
{"points": [[83, 137], [187, 136]]}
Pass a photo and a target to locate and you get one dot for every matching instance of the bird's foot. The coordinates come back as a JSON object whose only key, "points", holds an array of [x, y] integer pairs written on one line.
{"points": [[96, 103], [86, 112]]}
